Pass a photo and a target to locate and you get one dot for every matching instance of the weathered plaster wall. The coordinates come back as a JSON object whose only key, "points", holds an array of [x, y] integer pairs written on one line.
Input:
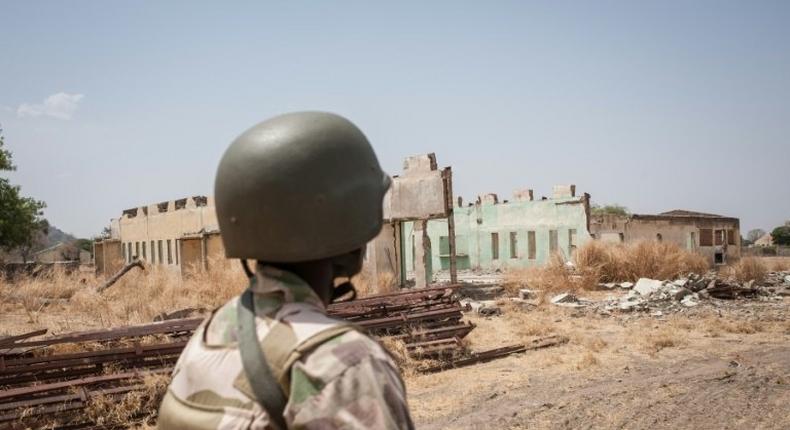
{"points": [[684, 231], [149, 231], [515, 219], [108, 257]]}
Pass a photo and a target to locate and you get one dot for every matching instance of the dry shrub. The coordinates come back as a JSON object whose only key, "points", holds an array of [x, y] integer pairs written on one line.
{"points": [[367, 285], [715, 326], [587, 360], [659, 260], [554, 277], [136, 298], [134, 408], [594, 344], [665, 337], [656, 260], [597, 262], [409, 366], [34, 293], [747, 269], [780, 264]]}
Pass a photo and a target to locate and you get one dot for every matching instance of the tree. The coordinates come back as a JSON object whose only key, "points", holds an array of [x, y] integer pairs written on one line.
{"points": [[613, 209], [755, 234], [20, 217], [781, 235]]}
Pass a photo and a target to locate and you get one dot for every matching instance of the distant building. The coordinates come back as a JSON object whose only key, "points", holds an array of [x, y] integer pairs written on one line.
{"points": [[519, 233], [715, 236], [764, 240], [58, 253], [180, 235]]}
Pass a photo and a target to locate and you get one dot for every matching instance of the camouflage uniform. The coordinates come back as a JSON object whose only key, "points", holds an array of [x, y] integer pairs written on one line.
{"points": [[338, 377]]}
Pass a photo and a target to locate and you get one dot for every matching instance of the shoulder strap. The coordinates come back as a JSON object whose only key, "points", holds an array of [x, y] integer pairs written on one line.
{"points": [[267, 362], [262, 382]]}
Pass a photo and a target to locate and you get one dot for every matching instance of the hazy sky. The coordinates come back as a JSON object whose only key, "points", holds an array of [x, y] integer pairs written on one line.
{"points": [[653, 105]]}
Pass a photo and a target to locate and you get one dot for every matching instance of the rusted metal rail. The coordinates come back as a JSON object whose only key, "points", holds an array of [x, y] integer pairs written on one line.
{"points": [[39, 383]]}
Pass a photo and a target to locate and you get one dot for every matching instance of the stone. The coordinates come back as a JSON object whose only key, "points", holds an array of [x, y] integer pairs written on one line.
{"points": [[627, 305], [681, 282], [567, 300], [563, 298], [526, 293], [608, 285], [626, 285], [645, 286], [787, 279], [690, 300], [680, 293]]}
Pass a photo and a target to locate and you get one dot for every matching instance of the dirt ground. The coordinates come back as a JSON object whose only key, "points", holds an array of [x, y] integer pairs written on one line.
{"points": [[713, 367], [722, 364]]}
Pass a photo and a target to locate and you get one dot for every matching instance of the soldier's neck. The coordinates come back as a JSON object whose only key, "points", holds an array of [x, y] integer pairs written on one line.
{"points": [[318, 274]]}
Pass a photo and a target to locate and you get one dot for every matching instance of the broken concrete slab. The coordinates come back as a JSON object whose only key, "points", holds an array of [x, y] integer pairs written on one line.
{"points": [[567, 300], [646, 286], [680, 293], [690, 300], [526, 294]]}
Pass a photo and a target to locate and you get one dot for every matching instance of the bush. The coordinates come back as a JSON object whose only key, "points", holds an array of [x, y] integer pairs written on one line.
{"points": [[597, 262], [747, 269]]}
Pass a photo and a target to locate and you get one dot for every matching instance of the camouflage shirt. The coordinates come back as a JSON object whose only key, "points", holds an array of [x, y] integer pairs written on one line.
{"points": [[346, 381]]}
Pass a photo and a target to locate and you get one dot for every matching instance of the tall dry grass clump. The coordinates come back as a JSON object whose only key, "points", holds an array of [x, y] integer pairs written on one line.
{"points": [[658, 260], [597, 262], [747, 269], [35, 293], [554, 276], [140, 296]]}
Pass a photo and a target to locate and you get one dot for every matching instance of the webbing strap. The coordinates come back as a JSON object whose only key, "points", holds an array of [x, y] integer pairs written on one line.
{"points": [[263, 383]]}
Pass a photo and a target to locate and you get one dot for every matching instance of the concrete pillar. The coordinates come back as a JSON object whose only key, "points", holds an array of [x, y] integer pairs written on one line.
{"points": [[423, 273]]}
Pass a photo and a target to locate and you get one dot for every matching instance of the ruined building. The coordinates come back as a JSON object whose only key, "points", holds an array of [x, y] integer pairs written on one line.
{"points": [[714, 236], [518, 233], [179, 235]]}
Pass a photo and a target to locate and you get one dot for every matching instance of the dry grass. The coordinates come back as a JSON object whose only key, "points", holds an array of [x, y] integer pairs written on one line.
{"points": [[598, 262], [587, 360], [665, 337], [716, 326], [747, 269], [778, 264], [136, 298], [366, 286], [135, 408]]}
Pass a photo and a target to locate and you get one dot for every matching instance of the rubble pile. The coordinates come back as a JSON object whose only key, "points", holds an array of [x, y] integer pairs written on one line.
{"points": [[676, 295]]}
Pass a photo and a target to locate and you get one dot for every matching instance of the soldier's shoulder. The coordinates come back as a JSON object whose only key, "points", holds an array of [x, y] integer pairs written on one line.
{"points": [[333, 357]]}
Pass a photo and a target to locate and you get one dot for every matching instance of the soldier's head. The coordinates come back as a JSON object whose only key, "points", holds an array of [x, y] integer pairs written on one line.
{"points": [[301, 190]]}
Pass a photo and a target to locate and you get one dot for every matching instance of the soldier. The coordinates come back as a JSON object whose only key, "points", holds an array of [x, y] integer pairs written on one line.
{"points": [[301, 194]]}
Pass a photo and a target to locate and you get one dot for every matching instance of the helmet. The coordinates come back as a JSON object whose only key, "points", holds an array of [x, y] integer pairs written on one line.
{"points": [[298, 187]]}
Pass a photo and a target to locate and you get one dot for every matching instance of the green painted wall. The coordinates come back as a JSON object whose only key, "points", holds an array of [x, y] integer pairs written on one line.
{"points": [[475, 224]]}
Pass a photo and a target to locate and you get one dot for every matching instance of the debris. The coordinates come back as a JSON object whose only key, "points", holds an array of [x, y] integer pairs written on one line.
{"points": [[626, 285], [690, 300], [526, 294], [645, 286], [491, 354], [567, 300], [117, 276]]}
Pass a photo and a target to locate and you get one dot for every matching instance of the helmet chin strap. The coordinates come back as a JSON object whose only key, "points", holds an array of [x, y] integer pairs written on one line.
{"points": [[246, 268], [344, 292]]}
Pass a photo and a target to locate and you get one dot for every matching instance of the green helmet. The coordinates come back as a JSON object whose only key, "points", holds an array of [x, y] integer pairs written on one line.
{"points": [[298, 187]]}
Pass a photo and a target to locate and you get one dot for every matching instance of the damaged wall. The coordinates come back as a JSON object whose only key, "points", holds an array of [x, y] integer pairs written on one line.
{"points": [[522, 232], [716, 237], [154, 232]]}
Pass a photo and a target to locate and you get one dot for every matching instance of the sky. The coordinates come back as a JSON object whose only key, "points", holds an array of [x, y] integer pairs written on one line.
{"points": [[652, 105]]}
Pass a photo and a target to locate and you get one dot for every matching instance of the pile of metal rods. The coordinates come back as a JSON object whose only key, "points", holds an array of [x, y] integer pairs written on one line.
{"points": [[50, 382]]}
